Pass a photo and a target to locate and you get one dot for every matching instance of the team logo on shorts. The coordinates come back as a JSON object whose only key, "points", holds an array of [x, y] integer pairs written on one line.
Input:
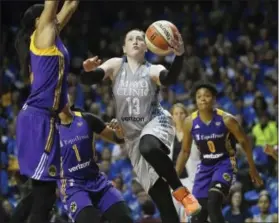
{"points": [[226, 177], [73, 206], [52, 171]]}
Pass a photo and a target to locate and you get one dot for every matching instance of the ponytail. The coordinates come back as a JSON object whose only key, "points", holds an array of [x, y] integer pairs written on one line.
{"points": [[22, 40]]}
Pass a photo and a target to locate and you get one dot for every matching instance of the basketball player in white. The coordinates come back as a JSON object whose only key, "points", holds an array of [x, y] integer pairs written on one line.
{"points": [[147, 127], [179, 113]]}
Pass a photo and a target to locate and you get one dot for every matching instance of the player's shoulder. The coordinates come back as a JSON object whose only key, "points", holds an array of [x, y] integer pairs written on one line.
{"points": [[88, 115], [188, 123], [157, 66], [155, 69], [115, 61], [223, 113], [227, 117], [194, 115]]}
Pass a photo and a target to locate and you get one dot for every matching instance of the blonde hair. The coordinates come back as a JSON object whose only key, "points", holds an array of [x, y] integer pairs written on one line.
{"points": [[179, 105]]}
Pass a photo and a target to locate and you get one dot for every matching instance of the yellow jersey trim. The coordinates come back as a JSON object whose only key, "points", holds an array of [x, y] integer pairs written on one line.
{"points": [[194, 115], [220, 112], [78, 114], [50, 51]]}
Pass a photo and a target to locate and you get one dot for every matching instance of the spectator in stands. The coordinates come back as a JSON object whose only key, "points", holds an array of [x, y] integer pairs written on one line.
{"points": [[238, 210], [259, 104], [118, 183], [265, 132], [7, 210], [264, 205], [106, 154], [148, 210]]}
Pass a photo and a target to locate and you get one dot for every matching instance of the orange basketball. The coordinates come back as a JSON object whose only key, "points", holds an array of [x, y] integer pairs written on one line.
{"points": [[159, 35]]}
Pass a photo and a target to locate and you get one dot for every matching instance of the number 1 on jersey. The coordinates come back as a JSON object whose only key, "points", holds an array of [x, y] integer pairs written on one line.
{"points": [[76, 152], [133, 105], [211, 146]]}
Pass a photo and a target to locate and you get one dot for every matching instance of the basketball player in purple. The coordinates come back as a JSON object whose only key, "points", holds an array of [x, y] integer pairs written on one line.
{"points": [[214, 131], [43, 56], [82, 187]]}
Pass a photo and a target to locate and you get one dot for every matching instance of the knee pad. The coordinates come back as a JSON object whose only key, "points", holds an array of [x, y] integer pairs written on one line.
{"points": [[220, 188], [148, 144], [215, 200], [123, 219], [214, 206]]}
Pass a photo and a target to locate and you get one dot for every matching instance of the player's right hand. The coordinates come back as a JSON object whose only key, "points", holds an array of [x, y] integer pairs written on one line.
{"points": [[177, 46], [91, 63], [268, 150], [113, 124], [255, 177]]}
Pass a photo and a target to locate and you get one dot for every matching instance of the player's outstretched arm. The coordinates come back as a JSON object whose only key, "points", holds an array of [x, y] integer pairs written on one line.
{"points": [[111, 135], [95, 73], [99, 127], [186, 146], [238, 132], [65, 14], [46, 28]]}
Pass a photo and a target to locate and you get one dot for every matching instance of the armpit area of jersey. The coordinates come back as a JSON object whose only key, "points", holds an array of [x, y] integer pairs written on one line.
{"points": [[95, 123]]}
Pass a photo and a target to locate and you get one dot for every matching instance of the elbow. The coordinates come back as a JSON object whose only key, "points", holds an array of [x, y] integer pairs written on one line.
{"points": [[166, 78]]}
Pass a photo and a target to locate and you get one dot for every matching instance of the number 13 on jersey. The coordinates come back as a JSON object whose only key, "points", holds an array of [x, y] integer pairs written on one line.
{"points": [[133, 105]]}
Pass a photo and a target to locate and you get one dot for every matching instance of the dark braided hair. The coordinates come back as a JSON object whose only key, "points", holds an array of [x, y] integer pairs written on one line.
{"points": [[22, 40]]}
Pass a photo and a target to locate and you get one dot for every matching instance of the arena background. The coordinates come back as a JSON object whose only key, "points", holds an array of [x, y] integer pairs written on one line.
{"points": [[232, 43]]}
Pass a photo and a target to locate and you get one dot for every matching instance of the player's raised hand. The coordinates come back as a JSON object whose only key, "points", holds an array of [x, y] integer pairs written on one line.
{"points": [[91, 63], [268, 150], [73, 4], [116, 127], [255, 177], [177, 46]]}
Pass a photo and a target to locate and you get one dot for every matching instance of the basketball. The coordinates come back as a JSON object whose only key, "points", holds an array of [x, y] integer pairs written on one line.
{"points": [[159, 35]]}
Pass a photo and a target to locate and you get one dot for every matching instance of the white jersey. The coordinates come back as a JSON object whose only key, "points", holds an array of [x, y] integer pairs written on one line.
{"points": [[139, 113]]}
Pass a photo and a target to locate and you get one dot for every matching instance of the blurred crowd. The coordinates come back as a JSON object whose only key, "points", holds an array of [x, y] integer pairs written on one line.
{"points": [[232, 43]]}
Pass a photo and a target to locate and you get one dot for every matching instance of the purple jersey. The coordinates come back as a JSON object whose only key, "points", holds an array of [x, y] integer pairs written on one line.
{"points": [[214, 140], [77, 146], [49, 69]]}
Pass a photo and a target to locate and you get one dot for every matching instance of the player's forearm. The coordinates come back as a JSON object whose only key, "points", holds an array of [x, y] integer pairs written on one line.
{"points": [[168, 77], [111, 136], [248, 150], [181, 161], [92, 77], [65, 14]]}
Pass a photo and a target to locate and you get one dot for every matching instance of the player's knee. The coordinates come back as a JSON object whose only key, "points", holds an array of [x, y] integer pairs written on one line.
{"points": [[146, 145], [215, 200], [123, 218]]}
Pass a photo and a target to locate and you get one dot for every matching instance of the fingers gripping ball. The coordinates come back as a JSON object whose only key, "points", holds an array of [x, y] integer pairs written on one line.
{"points": [[159, 36]]}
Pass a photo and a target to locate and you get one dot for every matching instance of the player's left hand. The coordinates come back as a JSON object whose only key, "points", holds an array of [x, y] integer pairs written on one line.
{"points": [[177, 46], [255, 177], [71, 3], [91, 63]]}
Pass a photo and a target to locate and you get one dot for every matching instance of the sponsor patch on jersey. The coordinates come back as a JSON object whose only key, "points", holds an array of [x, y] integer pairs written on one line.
{"points": [[52, 171], [73, 206], [226, 177]]}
